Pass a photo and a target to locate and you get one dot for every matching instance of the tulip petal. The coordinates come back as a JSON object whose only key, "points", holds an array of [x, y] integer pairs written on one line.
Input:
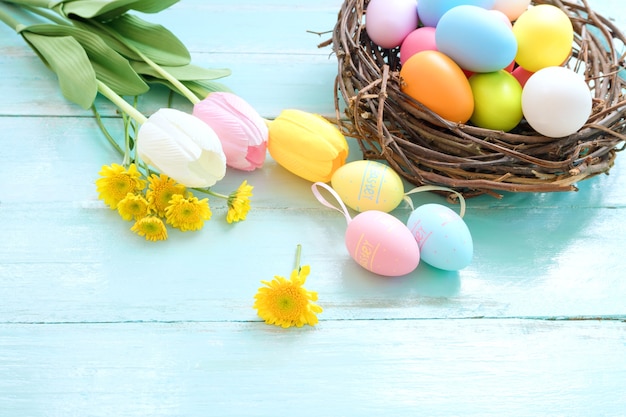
{"points": [[307, 145], [182, 147], [238, 126]]}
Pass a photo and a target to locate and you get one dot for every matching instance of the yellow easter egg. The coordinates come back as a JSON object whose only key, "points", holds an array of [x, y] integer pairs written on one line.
{"points": [[544, 36], [368, 185]]}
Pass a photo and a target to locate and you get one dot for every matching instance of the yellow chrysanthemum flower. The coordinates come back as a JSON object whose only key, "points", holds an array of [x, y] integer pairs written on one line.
{"points": [[285, 302], [117, 182], [187, 213], [160, 192], [150, 227], [239, 203], [133, 206]]}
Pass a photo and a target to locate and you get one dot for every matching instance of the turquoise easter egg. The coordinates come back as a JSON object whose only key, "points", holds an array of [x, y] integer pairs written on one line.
{"points": [[443, 237], [430, 11], [476, 39]]}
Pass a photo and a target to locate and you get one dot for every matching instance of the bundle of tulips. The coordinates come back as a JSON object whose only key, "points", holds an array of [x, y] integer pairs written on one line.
{"points": [[101, 47]]}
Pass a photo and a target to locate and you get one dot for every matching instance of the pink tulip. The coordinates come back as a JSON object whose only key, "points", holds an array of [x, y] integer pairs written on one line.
{"points": [[242, 131]]}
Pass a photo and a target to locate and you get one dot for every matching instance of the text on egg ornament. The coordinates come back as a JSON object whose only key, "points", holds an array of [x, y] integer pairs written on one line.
{"points": [[370, 182], [366, 252], [421, 236]]}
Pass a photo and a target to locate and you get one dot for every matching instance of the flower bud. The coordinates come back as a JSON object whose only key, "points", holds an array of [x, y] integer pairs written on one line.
{"points": [[182, 147], [241, 130], [307, 145]]}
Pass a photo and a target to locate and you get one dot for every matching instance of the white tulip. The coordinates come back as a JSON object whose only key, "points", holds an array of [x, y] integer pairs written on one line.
{"points": [[182, 147]]}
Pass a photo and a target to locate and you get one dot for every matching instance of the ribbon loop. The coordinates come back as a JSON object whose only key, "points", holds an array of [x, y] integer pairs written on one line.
{"points": [[343, 210], [436, 188]]}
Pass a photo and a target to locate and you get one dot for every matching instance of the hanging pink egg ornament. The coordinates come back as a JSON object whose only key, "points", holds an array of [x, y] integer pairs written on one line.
{"points": [[376, 240], [388, 22], [476, 39], [382, 244]]}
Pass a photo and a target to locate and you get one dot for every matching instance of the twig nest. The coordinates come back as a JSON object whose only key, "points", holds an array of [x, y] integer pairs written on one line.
{"points": [[426, 145]]}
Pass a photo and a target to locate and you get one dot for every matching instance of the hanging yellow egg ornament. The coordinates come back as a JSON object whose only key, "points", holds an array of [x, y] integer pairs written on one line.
{"points": [[545, 36], [368, 185]]}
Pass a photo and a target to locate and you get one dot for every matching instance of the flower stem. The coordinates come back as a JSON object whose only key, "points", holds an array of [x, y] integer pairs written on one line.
{"points": [[7, 19], [298, 253], [45, 13], [211, 192], [35, 3], [105, 131], [121, 103], [160, 70]]}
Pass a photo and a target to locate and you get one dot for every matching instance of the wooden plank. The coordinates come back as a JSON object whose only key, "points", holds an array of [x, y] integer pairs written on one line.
{"points": [[340, 368]]}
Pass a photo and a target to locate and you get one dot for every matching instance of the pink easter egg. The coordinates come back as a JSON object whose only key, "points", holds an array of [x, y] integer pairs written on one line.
{"points": [[382, 244], [421, 39], [522, 75]]}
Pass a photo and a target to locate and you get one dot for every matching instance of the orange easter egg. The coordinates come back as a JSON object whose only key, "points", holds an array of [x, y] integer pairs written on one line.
{"points": [[437, 82]]}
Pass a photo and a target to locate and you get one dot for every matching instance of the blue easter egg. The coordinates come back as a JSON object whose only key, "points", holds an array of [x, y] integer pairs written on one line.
{"points": [[443, 237], [476, 39], [430, 11]]}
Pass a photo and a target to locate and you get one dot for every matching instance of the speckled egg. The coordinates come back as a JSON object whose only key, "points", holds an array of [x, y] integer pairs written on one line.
{"points": [[443, 237], [368, 185], [382, 244]]}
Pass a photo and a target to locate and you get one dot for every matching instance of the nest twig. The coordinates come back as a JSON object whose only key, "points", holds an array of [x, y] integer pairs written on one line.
{"points": [[426, 149]]}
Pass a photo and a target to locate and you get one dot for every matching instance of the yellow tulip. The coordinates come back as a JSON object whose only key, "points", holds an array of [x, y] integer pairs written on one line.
{"points": [[307, 145]]}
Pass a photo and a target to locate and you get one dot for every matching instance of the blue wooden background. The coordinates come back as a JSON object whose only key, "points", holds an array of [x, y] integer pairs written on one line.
{"points": [[95, 321]]}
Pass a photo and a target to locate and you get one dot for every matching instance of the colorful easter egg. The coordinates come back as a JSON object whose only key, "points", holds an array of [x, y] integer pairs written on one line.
{"points": [[443, 237], [511, 8], [437, 82], [497, 100], [388, 22], [421, 39], [382, 244], [521, 75], [368, 185], [556, 101], [476, 39], [544, 36], [430, 11]]}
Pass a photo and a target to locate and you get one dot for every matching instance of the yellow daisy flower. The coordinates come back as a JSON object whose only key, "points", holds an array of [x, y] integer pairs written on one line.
{"points": [[187, 213], [150, 227], [161, 190], [285, 302], [117, 182], [133, 206], [239, 203]]}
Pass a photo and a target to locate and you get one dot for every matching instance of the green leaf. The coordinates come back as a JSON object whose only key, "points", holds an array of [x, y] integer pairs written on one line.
{"points": [[110, 9], [153, 40], [187, 72], [110, 67], [199, 88], [204, 88], [67, 58]]}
